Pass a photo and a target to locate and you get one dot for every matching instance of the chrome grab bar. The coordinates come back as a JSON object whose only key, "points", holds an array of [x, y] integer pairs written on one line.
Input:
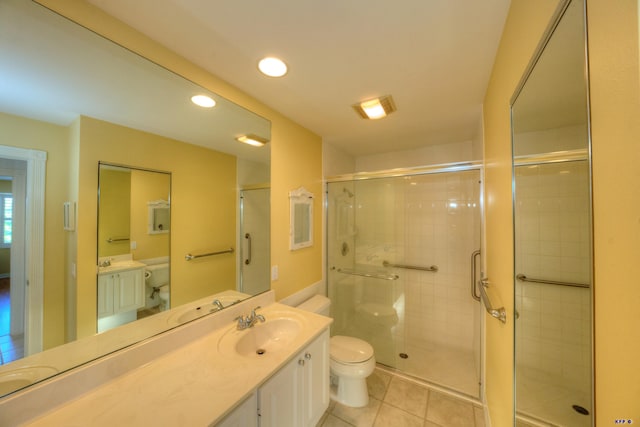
{"points": [[498, 313], [118, 239], [524, 278], [248, 237], [433, 268], [474, 294], [372, 275], [189, 257]]}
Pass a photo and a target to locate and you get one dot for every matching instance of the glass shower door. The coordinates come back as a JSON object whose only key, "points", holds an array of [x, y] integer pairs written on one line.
{"points": [[399, 272]]}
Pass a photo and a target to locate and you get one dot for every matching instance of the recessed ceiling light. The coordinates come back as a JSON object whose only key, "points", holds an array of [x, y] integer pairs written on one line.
{"points": [[272, 67], [254, 140], [375, 108], [203, 101]]}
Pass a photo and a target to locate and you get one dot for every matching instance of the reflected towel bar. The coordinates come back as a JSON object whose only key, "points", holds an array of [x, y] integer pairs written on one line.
{"points": [[119, 239], [498, 313], [433, 268], [524, 278], [189, 257], [372, 275]]}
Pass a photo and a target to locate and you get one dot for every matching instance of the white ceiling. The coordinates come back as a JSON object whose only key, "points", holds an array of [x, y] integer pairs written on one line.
{"points": [[434, 56]]}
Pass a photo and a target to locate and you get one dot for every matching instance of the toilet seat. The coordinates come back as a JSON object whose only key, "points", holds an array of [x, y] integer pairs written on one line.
{"points": [[349, 350]]}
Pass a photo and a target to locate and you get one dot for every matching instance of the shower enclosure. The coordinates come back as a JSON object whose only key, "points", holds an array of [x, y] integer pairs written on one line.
{"points": [[400, 254]]}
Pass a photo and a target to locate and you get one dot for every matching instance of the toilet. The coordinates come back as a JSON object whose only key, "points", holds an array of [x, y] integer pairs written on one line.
{"points": [[351, 360], [156, 277]]}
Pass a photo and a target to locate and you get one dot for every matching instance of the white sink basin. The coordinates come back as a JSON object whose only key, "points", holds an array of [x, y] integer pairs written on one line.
{"points": [[183, 315], [262, 339], [22, 377], [120, 266]]}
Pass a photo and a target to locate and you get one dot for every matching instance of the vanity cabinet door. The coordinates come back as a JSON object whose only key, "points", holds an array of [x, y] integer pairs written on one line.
{"points": [[316, 379], [298, 394], [279, 403], [245, 415], [105, 295], [128, 291]]}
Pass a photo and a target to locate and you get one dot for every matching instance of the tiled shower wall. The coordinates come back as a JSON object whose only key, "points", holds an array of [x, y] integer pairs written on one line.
{"points": [[553, 335], [419, 220]]}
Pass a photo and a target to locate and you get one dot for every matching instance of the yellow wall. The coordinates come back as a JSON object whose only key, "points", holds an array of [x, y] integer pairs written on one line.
{"points": [[25, 133], [525, 25], [147, 187], [297, 269], [615, 120], [114, 212], [203, 217]]}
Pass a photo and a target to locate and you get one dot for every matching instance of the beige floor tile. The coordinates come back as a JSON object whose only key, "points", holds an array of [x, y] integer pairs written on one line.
{"points": [[332, 421], [407, 396], [449, 411], [389, 416], [377, 383], [360, 417]]}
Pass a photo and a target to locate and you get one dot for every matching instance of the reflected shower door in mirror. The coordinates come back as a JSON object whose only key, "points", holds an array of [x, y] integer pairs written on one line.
{"points": [[552, 230], [255, 231], [134, 213], [81, 116]]}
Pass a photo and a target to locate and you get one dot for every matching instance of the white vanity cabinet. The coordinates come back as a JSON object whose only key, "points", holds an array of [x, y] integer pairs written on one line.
{"points": [[120, 292], [298, 394], [243, 416]]}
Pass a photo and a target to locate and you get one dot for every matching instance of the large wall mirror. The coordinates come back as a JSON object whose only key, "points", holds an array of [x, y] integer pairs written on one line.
{"points": [[175, 187], [553, 244]]}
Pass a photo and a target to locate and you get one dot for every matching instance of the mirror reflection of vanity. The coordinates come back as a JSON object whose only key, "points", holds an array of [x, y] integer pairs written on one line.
{"points": [[552, 229], [99, 104]]}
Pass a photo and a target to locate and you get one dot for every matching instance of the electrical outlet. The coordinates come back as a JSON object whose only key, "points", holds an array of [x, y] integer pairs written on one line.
{"points": [[274, 272]]}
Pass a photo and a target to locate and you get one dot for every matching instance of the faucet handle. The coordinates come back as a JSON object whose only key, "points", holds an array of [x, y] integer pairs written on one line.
{"points": [[242, 322]]}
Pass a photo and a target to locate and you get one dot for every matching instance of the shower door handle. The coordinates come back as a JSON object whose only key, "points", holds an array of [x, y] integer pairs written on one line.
{"points": [[248, 237], [474, 274]]}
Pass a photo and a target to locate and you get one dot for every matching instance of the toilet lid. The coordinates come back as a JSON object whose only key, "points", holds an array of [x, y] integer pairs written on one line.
{"points": [[349, 349], [377, 310]]}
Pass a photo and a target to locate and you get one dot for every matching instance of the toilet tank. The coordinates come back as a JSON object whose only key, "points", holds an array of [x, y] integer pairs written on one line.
{"points": [[317, 304], [157, 274]]}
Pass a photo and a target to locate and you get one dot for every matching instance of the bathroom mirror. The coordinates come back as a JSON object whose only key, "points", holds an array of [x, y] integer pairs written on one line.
{"points": [[301, 219], [82, 100], [552, 230]]}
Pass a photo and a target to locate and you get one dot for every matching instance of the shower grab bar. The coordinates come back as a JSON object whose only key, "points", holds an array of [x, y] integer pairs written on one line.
{"points": [[189, 257], [524, 278], [474, 294], [372, 275], [433, 268], [117, 239], [498, 313]]}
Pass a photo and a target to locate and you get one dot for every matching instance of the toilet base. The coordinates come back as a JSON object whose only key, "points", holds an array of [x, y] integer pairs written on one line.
{"points": [[350, 392]]}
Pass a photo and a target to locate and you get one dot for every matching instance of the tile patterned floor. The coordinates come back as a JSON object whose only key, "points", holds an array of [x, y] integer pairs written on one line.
{"points": [[397, 402]]}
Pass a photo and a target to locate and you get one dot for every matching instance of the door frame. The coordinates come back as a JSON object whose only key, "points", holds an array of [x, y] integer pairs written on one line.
{"points": [[34, 243]]}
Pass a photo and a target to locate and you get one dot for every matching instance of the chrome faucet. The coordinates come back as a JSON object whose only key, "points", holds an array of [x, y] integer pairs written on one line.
{"points": [[249, 321], [218, 304], [105, 263]]}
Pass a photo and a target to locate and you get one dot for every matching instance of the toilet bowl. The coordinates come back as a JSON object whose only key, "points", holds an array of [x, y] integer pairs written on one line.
{"points": [[156, 277], [351, 361]]}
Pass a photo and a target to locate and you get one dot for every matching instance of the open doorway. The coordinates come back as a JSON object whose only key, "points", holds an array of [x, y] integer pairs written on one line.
{"points": [[12, 258]]}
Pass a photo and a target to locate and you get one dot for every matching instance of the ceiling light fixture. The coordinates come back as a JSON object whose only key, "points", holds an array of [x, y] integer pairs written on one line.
{"points": [[272, 67], [375, 108], [254, 140], [203, 101]]}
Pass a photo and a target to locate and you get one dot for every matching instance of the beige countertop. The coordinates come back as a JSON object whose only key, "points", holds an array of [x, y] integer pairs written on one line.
{"points": [[195, 384]]}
